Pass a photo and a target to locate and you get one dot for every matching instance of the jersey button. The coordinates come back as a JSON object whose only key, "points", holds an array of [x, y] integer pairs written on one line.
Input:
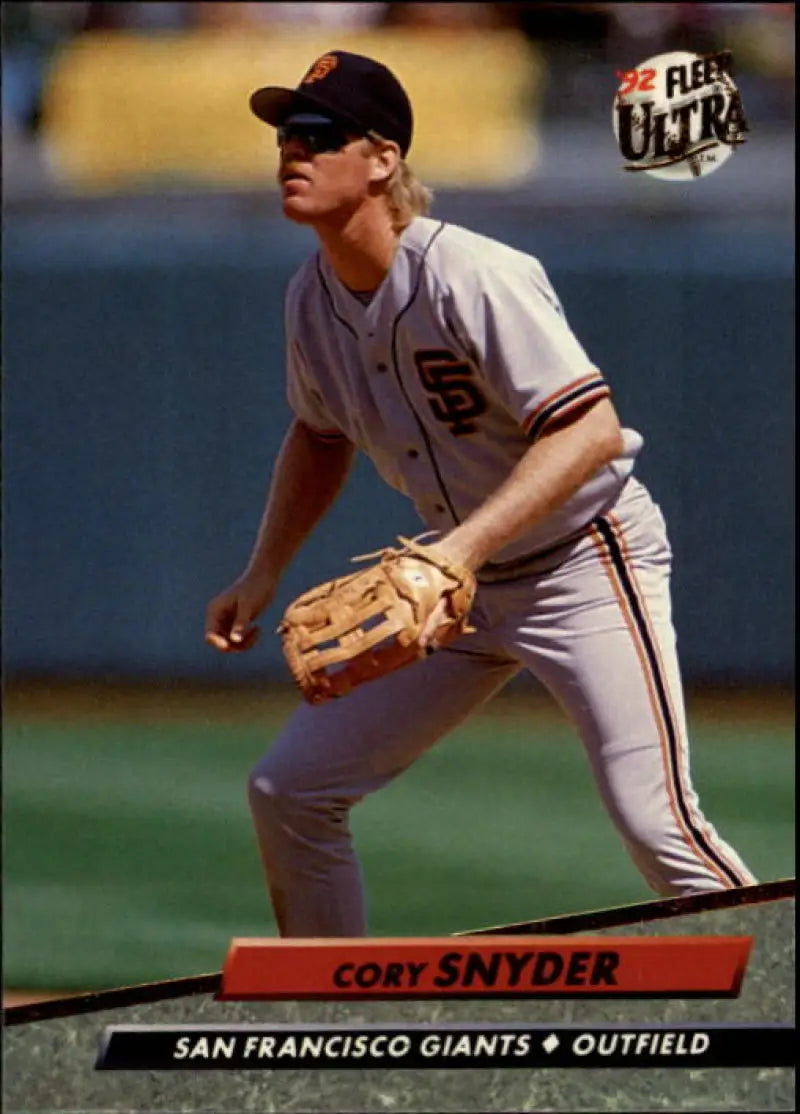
{"points": [[413, 453], [439, 508], [382, 367]]}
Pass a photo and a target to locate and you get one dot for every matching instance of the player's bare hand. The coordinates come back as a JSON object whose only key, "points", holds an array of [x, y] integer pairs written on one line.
{"points": [[230, 617]]}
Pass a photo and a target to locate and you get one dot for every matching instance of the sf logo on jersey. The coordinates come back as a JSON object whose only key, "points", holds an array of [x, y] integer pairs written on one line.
{"points": [[453, 395]]}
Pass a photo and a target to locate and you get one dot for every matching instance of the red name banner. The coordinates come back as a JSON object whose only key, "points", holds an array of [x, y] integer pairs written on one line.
{"points": [[481, 967]]}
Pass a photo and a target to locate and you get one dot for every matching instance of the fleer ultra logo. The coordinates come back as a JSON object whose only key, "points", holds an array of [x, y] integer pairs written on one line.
{"points": [[679, 115]]}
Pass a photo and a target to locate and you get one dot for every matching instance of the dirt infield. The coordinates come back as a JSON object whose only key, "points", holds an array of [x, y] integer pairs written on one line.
{"points": [[140, 701]]}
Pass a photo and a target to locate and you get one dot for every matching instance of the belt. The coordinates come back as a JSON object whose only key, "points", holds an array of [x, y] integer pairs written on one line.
{"points": [[496, 572]]}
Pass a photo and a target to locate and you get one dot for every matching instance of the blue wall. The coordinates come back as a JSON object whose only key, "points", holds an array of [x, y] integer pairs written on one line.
{"points": [[144, 403]]}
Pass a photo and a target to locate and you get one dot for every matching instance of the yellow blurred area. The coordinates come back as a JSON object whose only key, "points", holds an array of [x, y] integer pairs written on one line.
{"points": [[123, 109]]}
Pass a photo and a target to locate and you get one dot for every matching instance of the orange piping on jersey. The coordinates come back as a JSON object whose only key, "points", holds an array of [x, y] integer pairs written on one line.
{"points": [[531, 418], [630, 622], [680, 739], [602, 390]]}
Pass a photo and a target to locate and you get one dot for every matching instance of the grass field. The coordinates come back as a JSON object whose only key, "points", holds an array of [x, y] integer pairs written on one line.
{"points": [[129, 855]]}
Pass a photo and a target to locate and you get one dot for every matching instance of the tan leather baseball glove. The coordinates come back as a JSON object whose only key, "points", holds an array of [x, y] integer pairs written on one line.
{"points": [[360, 627]]}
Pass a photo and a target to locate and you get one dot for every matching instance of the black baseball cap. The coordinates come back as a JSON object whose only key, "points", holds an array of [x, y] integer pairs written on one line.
{"points": [[356, 92]]}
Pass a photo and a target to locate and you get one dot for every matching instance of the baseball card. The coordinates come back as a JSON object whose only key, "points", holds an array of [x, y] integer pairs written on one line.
{"points": [[398, 656]]}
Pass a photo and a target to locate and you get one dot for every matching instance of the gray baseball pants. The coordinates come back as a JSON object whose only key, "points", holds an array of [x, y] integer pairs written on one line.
{"points": [[596, 630]]}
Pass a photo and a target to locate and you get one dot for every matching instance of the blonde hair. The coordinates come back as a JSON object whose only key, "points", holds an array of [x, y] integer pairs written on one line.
{"points": [[405, 195]]}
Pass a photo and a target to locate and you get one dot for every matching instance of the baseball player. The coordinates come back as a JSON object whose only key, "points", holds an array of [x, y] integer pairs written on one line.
{"points": [[446, 357]]}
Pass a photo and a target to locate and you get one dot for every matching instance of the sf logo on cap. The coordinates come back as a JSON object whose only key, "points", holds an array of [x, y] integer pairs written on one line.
{"points": [[321, 68]]}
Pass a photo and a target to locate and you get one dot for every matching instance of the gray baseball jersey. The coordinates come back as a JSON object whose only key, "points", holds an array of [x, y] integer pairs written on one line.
{"points": [[460, 361], [445, 377]]}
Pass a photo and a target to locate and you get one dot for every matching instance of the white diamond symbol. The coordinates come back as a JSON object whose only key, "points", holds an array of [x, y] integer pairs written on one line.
{"points": [[551, 1043]]}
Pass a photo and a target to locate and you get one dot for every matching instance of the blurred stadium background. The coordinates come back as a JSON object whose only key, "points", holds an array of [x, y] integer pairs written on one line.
{"points": [[144, 263]]}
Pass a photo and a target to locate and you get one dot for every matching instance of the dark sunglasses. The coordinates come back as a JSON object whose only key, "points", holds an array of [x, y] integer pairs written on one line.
{"points": [[317, 138]]}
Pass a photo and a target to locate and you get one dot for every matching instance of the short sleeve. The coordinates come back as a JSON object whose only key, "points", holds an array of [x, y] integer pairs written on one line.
{"points": [[529, 355]]}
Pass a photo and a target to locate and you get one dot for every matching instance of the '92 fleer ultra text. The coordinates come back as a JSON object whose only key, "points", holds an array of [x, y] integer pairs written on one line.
{"points": [[679, 115]]}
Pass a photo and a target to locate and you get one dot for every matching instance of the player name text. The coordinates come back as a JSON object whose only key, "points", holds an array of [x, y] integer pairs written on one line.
{"points": [[471, 969]]}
